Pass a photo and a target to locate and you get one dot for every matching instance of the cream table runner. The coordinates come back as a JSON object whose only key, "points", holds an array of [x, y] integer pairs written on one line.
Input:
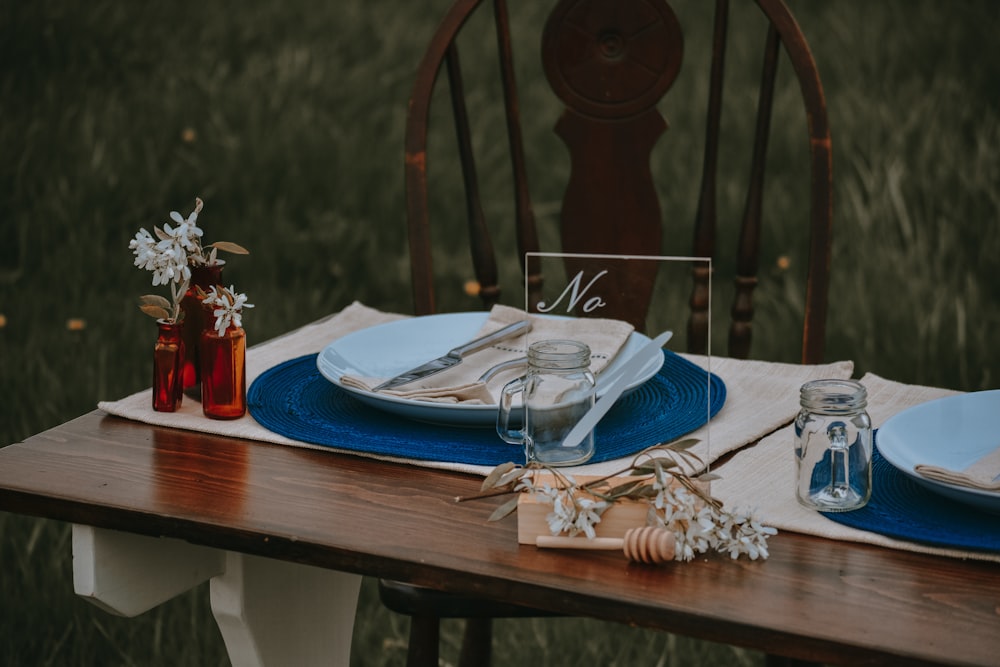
{"points": [[761, 396]]}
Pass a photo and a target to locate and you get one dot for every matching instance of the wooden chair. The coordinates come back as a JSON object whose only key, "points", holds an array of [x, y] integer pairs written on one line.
{"points": [[610, 62]]}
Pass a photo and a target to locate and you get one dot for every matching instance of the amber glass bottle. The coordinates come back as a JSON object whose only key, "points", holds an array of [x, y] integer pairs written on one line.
{"points": [[223, 371], [168, 355], [203, 277]]}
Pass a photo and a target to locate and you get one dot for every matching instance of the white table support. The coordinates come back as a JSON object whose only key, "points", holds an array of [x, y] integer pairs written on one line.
{"points": [[270, 612]]}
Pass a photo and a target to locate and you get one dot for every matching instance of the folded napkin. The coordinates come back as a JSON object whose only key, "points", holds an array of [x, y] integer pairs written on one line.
{"points": [[984, 474], [462, 384]]}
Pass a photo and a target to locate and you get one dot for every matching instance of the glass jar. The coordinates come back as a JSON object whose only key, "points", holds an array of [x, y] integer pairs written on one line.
{"points": [[557, 390], [223, 371], [168, 356], [204, 277], [833, 446]]}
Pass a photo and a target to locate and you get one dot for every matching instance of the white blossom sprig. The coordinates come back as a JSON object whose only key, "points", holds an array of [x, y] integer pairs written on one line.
{"points": [[663, 476], [188, 228], [229, 305], [170, 254]]}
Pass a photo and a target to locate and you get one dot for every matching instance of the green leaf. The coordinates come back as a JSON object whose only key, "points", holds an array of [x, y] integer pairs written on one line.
{"points": [[645, 491], [511, 477], [155, 311], [154, 300], [507, 508], [626, 488], [682, 445], [495, 475], [227, 246]]}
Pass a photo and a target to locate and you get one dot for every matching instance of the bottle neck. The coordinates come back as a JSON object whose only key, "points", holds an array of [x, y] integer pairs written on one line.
{"points": [[207, 276], [169, 331]]}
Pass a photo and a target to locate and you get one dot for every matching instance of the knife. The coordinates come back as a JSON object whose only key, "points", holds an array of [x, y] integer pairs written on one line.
{"points": [[617, 382], [454, 357]]}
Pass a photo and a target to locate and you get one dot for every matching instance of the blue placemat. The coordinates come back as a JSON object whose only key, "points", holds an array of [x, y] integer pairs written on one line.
{"points": [[903, 509], [294, 400]]}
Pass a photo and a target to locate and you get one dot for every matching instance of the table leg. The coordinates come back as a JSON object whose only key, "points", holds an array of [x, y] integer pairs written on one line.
{"points": [[270, 612], [127, 574], [273, 612]]}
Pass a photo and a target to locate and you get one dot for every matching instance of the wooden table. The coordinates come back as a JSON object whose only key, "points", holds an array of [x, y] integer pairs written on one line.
{"points": [[285, 533]]}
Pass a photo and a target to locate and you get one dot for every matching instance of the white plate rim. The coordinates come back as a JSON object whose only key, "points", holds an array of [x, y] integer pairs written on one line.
{"points": [[903, 441], [468, 323]]}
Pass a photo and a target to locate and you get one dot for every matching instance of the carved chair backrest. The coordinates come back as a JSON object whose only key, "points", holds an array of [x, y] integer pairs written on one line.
{"points": [[610, 62]]}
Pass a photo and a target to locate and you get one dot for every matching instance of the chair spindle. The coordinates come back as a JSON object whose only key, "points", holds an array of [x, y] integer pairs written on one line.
{"points": [[748, 251], [527, 233], [484, 258], [705, 221]]}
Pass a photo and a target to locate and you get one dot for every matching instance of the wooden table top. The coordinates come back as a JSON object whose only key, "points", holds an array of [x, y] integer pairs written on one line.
{"points": [[815, 599]]}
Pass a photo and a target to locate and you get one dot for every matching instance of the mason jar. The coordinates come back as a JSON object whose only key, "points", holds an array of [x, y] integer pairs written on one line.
{"points": [[833, 446], [557, 390]]}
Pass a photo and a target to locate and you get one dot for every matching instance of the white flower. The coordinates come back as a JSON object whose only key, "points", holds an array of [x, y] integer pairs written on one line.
{"points": [[166, 258], [184, 235], [171, 264], [187, 230], [570, 514], [144, 247], [742, 533], [562, 518], [229, 306], [170, 252], [699, 526], [674, 502], [588, 515]]}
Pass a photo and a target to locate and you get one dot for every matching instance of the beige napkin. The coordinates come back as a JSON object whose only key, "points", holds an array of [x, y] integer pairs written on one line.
{"points": [[763, 476], [983, 474], [461, 384]]}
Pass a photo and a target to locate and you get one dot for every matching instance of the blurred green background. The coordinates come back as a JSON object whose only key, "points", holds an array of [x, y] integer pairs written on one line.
{"points": [[286, 118]]}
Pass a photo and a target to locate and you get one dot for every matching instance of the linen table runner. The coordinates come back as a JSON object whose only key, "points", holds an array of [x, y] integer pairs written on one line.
{"points": [[761, 396]]}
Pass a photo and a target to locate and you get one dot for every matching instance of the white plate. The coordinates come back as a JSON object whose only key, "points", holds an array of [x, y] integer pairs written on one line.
{"points": [[388, 349], [950, 432]]}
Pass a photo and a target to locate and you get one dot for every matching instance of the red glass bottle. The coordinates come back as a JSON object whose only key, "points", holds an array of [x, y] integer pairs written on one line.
{"points": [[204, 277], [168, 355], [223, 371]]}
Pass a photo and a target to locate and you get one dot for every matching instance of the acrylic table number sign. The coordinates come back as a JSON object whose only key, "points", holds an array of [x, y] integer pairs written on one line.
{"points": [[651, 293]]}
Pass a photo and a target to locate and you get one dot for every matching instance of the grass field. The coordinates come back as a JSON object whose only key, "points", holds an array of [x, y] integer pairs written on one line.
{"points": [[286, 118]]}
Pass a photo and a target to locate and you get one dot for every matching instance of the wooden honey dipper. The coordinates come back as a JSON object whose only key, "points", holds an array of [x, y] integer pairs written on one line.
{"points": [[649, 544]]}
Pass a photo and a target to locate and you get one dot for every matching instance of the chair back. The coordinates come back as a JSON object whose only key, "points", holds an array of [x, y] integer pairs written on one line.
{"points": [[611, 64]]}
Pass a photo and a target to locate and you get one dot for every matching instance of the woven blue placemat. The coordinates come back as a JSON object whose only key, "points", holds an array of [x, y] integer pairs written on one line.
{"points": [[294, 400], [903, 509]]}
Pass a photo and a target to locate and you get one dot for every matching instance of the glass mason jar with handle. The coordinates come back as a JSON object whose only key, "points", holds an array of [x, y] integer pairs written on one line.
{"points": [[557, 390]]}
